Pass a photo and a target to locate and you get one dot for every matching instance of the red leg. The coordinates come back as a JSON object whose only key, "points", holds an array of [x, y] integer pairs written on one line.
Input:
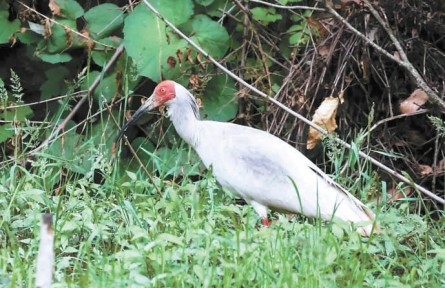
{"points": [[265, 222]]}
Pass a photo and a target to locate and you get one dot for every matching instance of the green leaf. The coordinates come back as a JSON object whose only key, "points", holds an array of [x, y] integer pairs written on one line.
{"points": [[28, 37], [17, 114], [218, 8], [298, 34], [132, 175], [265, 15], [171, 238], [8, 28], [55, 82], [107, 87], [69, 9], [210, 35], [103, 19], [204, 2], [150, 45], [55, 58], [6, 132], [175, 11], [101, 55], [60, 40], [219, 99]]}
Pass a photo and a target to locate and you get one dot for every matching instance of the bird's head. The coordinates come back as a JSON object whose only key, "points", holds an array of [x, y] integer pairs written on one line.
{"points": [[166, 93], [163, 93]]}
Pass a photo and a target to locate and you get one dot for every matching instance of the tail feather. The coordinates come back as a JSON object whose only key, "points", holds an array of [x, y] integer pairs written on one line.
{"points": [[356, 211]]}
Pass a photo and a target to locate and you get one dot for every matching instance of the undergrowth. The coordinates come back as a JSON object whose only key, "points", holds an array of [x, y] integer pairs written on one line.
{"points": [[122, 233]]}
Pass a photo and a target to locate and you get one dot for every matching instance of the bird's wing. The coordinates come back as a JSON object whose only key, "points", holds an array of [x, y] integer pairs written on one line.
{"points": [[329, 180]]}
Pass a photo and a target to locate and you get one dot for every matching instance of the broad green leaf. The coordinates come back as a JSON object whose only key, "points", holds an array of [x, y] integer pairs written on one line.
{"points": [[55, 84], [55, 58], [107, 87], [61, 39], [210, 35], [298, 34], [219, 99], [17, 114], [217, 7], [103, 19], [296, 38], [68, 9], [6, 132], [265, 15], [175, 11], [150, 44], [204, 2], [29, 37], [101, 54], [7, 27]]}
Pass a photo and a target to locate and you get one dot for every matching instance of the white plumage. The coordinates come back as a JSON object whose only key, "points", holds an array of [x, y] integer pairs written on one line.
{"points": [[257, 166]]}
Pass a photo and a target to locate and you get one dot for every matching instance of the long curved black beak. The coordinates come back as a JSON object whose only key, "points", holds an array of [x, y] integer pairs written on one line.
{"points": [[146, 107]]}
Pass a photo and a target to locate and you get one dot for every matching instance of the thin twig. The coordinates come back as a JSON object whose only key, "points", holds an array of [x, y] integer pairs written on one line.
{"points": [[288, 7], [44, 101], [421, 111], [287, 109]]}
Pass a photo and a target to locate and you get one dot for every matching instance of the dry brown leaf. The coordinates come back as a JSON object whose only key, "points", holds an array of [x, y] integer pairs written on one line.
{"points": [[413, 102], [89, 43], [54, 7], [179, 55], [425, 170], [324, 117], [48, 30], [323, 51], [396, 193], [171, 61]]}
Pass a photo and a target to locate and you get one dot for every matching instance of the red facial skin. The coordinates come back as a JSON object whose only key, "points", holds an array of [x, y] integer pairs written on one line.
{"points": [[266, 222], [164, 92]]}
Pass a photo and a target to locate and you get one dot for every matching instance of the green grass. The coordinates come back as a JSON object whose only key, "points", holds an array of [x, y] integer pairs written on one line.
{"points": [[125, 234]]}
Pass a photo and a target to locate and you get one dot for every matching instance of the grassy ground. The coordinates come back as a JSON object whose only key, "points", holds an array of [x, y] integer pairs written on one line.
{"points": [[125, 234]]}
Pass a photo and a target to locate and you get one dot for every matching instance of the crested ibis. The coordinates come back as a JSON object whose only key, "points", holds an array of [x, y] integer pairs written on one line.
{"points": [[257, 166]]}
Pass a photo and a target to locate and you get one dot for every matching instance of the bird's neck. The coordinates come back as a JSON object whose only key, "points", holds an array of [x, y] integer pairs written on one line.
{"points": [[186, 122]]}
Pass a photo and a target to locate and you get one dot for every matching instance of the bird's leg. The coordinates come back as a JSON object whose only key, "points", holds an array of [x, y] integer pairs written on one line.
{"points": [[261, 210]]}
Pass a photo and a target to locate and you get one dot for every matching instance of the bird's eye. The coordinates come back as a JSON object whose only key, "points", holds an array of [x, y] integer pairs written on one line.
{"points": [[162, 90]]}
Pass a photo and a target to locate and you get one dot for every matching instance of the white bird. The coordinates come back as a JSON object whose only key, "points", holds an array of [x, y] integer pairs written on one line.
{"points": [[257, 166]]}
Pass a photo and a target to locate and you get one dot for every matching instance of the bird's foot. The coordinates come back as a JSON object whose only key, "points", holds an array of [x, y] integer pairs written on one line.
{"points": [[265, 222]]}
